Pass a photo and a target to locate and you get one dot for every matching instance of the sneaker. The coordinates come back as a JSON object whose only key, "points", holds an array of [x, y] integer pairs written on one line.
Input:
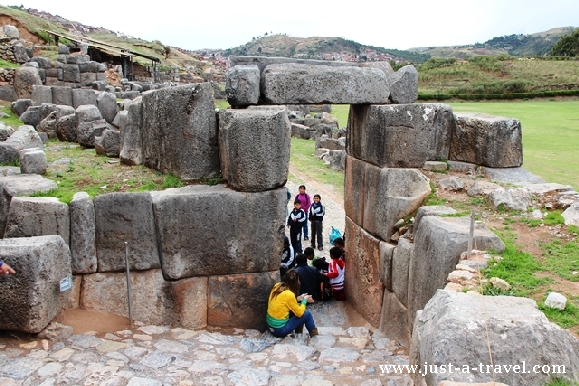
{"points": [[306, 238], [320, 248]]}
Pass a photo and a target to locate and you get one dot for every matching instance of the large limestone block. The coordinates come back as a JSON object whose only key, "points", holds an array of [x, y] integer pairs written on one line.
{"points": [[62, 95], [23, 138], [154, 301], [438, 243], [88, 113], [31, 116], [362, 276], [82, 234], [234, 238], [20, 106], [125, 217], [402, 136], [254, 148], [86, 132], [41, 94], [401, 258], [20, 185], [383, 195], [179, 131], [66, 128], [33, 161], [239, 301], [394, 319], [37, 216], [404, 85], [242, 85], [355, 183], [299, 83], [107, 105], [108, 143], [435, 210], [31, 298], [391, 194], [487, 140], [83, 96], [71, 73], [131, 136], [25, 78], [458, 328]]}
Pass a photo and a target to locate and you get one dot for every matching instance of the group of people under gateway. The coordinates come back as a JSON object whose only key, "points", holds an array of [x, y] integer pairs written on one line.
{"points": [[304, 278]]}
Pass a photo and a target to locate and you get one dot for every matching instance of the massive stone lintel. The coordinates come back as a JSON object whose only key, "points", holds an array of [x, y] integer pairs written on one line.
{"points": [[31, 298], [400, 136], [180, 131], [487, 140], [254, 147], [297, 83], [212, 230]]}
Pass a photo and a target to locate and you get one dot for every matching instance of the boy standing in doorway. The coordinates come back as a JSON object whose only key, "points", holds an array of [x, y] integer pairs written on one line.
{"points": [[305, 201]]}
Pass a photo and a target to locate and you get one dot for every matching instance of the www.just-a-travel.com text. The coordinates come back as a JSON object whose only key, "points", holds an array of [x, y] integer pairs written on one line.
{"points": [[425, 369]]}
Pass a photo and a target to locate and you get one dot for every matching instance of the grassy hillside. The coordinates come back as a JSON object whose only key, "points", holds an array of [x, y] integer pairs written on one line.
{"points": [[496, 75], [537, 44]]}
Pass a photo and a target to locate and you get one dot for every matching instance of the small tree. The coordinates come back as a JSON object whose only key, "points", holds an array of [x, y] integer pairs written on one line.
{"points": [[568, 45]]}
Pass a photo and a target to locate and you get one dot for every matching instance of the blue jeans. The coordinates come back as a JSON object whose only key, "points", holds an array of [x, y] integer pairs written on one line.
{"points": [[294, 322], [305, 227]]}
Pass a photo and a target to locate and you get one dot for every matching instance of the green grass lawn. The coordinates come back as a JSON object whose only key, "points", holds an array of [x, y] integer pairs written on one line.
{"points": [[550, 135]]}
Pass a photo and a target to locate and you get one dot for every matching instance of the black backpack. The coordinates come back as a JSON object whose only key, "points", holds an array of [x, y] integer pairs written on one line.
{"points": [[325, 291]]}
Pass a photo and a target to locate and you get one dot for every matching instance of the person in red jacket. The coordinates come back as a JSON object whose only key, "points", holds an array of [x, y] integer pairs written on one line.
{"points": [[335, 273], [306, 201]]}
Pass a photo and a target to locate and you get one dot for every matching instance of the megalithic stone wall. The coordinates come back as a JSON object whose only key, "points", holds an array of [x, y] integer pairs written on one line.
{"points": [[179, 131], [32, 298]]}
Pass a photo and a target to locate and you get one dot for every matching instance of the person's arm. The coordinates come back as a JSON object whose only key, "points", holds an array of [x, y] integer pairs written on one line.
{"points": [[297, 308], [302, 218], [5, 269], [291, 257], [333, 272], [322, 210]]}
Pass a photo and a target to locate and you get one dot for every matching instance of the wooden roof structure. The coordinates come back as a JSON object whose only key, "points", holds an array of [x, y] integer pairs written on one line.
{"points": [[105, 47]]}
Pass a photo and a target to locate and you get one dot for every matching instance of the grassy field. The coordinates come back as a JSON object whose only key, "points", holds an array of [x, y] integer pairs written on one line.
{"points": [[550, 135]]}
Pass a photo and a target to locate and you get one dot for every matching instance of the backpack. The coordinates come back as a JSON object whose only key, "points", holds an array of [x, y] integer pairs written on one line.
{"points": [[325, 291], [334, 234]]}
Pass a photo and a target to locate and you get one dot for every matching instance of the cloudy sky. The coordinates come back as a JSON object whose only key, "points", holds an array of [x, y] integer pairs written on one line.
{"points": [[223, 24]]}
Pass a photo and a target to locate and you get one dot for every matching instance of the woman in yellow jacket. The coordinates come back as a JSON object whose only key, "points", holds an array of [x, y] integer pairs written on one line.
{"points": [[282, 300]]}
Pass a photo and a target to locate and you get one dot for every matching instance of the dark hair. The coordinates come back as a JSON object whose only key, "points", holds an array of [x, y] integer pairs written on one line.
{"points": [[300, 258], [302, 186], [318, 196], [285, 240], [339, 240], [309, 251], [297, 202], [290, 281], [335, 253]]}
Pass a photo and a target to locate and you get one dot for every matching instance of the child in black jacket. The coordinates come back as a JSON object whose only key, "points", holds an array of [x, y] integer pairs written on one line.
{"points": [[316, 217], [295, 222]]}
